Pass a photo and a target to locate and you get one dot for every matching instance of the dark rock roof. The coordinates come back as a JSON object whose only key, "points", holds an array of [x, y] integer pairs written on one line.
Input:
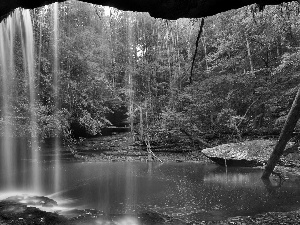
{"points": [[167, 9]]}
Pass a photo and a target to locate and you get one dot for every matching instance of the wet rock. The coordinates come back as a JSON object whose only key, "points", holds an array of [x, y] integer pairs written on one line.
{"points": [[33, 200], [248, 153], [14, 212], [151, 218], [179, 160]]}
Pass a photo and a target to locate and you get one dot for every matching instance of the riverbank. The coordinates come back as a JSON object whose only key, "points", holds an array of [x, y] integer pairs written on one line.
{"points": [[122, 147]]}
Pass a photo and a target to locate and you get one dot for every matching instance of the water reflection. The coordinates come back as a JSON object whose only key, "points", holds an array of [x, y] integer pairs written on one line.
{"points": [[232, 178], [186, 191]]}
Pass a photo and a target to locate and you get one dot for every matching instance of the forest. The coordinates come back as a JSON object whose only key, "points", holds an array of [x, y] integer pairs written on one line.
{"points": [[119, 68], [208, 106]]}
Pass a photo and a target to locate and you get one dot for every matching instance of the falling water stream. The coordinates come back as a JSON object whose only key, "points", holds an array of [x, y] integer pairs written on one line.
{"points": [[56, 93], [29, 68], [7, 72], [19, 25], [19, 22]]}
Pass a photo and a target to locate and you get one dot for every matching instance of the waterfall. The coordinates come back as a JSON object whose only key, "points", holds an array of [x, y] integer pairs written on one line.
{"points": [[19, 23], [7, 29], [28, 52], [56, 94]]}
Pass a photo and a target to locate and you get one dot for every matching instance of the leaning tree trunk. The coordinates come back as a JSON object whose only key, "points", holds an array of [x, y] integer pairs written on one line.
{"points": [[285, 136]]}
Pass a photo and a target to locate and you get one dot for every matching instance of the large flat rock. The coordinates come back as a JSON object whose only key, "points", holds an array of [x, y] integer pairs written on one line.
{"points": [[247, 153]]}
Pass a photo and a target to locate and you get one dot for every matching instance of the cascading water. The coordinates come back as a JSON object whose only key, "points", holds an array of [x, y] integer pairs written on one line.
{"points": [[19, 23], [28, 53], [7, 73], [56, 95]]}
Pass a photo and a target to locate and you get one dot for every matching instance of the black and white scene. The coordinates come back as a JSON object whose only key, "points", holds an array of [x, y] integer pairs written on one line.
{"points": [[149, 112]]}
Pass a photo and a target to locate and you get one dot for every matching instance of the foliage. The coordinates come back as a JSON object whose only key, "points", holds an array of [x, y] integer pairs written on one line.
{"points": [[53, 125], [245, 77]]}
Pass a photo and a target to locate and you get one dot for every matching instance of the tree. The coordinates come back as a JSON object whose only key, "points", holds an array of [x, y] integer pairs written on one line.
{"points": [[285, 136]]}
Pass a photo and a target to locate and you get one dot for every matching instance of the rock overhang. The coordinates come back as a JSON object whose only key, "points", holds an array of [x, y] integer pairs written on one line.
{"points": [[166, 9]]}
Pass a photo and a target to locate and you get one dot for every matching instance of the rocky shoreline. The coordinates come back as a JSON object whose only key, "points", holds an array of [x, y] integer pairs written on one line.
{"points": [[121, 148], [16, 212], [24, 210]]}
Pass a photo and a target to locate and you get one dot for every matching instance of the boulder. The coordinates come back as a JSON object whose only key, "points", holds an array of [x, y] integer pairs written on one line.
{"points": [[243, 154]]}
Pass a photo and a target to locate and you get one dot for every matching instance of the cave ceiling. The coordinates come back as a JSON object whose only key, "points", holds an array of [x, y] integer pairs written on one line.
{"points": [[166, 9]]}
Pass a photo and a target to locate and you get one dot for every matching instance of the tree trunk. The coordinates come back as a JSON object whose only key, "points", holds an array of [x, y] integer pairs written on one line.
{"points": [[141, 124], [259, 117], [249, 56], [285, 136], [205, 51]]}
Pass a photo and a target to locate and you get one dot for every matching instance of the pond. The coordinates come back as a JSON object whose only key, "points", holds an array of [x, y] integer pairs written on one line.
{"points": [[186, 191]]}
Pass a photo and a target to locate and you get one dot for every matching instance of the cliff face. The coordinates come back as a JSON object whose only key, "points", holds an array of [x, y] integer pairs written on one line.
{"points": [[167, 9]]}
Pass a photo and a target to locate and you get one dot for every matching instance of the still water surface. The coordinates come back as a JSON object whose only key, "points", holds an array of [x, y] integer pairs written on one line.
{"points": [[188, 191]]}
